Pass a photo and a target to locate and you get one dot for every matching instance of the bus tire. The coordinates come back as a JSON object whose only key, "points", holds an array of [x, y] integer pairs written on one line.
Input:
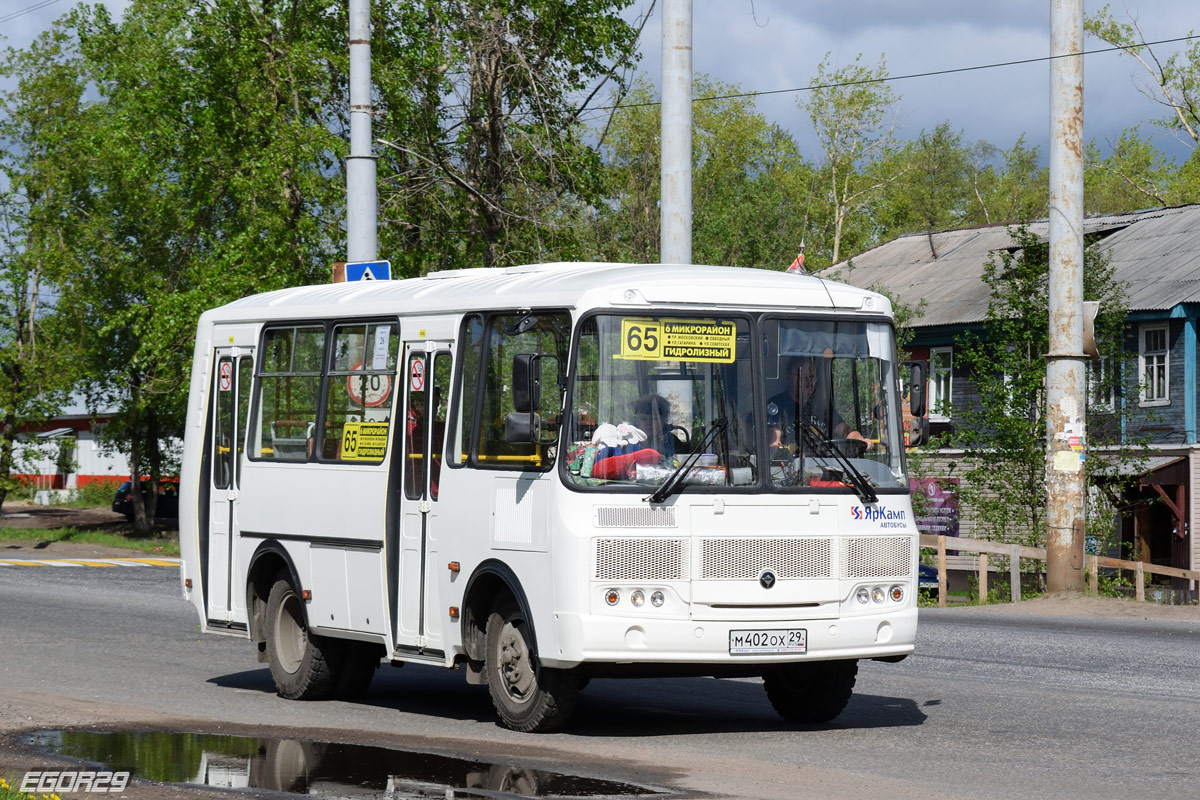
{"points": [[305, 666], [811, 692], [359, 663], [528, 697]]}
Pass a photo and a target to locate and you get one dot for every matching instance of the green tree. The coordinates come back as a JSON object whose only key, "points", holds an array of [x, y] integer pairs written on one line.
{"points": [[1176, 78], [37, 194], [749, 184], [1004, 434], [198, 170], [1008, 186], [1134, 175], [484, 158], [852, 112]]}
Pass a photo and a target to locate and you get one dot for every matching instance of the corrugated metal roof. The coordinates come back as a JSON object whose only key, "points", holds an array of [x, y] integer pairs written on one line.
{"points": [[1156, 253]]}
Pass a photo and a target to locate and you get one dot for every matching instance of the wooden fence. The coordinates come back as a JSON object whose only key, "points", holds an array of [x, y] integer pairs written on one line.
{"points": [[1016, 552]]}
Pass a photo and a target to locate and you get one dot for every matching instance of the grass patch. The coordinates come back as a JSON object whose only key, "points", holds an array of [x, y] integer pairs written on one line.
{"points": [[163, 544]]}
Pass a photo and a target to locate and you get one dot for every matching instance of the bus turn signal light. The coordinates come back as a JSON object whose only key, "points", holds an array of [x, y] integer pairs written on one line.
{"points": [[454, 566]]}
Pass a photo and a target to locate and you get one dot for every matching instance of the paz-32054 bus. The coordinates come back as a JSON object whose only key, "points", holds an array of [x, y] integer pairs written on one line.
{"points": [[543, 474]]}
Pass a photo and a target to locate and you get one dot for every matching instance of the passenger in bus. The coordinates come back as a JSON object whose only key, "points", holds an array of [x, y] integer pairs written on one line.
{"points": [[651, 413], [801, 394]]}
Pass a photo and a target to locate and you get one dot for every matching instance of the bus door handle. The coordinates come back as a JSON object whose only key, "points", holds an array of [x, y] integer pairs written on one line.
{"points": [[424, 507], [231, 494]]}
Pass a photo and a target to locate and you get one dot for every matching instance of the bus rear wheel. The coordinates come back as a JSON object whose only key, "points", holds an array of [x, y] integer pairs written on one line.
{"points": [[528, 697], [811, 692], [304, 666]]}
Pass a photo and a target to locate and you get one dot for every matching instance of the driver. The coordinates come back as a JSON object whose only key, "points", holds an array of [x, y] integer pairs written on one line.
{"points": [[800, 395], [651, 413]]}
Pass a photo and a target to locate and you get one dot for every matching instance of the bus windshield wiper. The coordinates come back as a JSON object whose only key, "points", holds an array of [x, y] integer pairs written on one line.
{"points": [[858, 481], [674, 481]]}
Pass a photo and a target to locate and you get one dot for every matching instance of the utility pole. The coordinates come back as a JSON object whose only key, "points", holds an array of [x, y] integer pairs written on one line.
{"points": [[675, 202], [1066, 427], [361, 224]]}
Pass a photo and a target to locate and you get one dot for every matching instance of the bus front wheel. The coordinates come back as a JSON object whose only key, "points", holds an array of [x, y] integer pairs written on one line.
{"points": [[811, 692], [528, 697], [304, 665]]}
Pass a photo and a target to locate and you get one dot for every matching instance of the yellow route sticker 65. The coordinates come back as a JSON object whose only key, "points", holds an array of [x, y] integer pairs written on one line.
{"points": [[364, 441], [677, 340]]}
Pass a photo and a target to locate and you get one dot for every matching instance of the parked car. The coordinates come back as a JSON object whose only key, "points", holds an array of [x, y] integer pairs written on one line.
{"points": [[927, 578], [167, 505]]}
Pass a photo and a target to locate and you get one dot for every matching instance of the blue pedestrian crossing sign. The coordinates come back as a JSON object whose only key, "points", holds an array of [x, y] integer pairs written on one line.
{"points": [[368, 271]]}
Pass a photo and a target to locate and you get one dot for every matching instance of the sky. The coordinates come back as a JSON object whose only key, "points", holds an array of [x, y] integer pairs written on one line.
{"points": [[771, 45]]}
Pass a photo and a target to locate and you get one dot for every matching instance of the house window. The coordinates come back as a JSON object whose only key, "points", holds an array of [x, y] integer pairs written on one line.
{"points": [[1101, 388], [1154, 366], [941, 362]]}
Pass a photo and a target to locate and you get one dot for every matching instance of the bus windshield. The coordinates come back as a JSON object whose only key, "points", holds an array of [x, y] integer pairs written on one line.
{"points": [[673, 398]]}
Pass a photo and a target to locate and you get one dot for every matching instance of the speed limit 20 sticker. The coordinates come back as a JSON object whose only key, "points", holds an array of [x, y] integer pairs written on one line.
{"points": [[369, 390]]}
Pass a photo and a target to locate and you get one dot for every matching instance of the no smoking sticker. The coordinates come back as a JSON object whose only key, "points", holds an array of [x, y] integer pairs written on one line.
{"points": [[416, 376], [225, 382]]}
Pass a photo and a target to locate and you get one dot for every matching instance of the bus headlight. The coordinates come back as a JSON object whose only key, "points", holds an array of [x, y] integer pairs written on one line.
{"points": [[877, 594], [657, 599], [637, 598], [863, 595]]}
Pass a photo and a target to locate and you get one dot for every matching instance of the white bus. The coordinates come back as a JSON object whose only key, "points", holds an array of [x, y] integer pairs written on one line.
{"points": [[549, 473]]}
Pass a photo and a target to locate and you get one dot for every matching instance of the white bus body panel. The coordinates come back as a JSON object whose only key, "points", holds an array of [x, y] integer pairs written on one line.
{"points": [[330, 518]]}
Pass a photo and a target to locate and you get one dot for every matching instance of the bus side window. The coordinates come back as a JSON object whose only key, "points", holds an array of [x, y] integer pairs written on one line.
{"points": [[511, 334], [288, 391]]}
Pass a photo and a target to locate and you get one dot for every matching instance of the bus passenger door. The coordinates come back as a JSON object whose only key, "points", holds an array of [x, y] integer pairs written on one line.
{"points": [[232, 376], [427, 371]]}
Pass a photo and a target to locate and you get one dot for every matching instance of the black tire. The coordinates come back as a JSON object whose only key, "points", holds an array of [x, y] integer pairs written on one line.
{"points": [[812, 692], [305, 666], [528, 697], [360, 660]]}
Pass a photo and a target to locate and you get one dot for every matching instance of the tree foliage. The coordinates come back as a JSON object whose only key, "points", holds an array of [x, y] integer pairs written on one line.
{"points": [[1004, 433], [750, 187], [852, 112]]}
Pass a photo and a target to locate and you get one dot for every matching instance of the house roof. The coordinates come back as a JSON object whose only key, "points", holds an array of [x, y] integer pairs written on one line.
{"points": [[1156, 253]]}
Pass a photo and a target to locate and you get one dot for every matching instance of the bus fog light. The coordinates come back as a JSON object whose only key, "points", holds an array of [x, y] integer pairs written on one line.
{"points": [[612, 597], [877, 594], [863, 595], [637, 598], [896, 593], [657, 599]]}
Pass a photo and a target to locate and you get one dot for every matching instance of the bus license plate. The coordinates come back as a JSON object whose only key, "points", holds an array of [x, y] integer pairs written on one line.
{"points": [[760, 642]]}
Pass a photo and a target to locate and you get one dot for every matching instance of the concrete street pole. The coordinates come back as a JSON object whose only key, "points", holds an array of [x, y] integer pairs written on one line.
{"points": [[1065, 420], [361, 226], [675, 203]]}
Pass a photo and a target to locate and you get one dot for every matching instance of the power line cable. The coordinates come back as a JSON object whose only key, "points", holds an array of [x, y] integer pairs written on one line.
{"points": [[27, 10], [933, 73]]}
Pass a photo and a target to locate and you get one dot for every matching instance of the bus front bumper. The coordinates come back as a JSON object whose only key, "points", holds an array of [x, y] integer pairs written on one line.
{"points": [[592, 638]]}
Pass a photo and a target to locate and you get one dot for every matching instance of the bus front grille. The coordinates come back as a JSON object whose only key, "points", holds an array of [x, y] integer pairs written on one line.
{"points": [[746, 558], [643, 559], [877, 557]]}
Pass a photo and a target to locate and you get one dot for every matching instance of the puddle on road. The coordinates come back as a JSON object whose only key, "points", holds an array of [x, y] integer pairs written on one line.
{"points": [[321, 769]]}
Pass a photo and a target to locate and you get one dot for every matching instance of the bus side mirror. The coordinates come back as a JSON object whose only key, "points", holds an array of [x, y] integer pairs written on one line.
{"points": [[916, 388], [522, 427], [527, 382]]}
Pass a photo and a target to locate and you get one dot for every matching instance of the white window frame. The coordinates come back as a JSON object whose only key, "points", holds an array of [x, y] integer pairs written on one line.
{"points": [[1101, 391], [938, 404], [1148, 358]]}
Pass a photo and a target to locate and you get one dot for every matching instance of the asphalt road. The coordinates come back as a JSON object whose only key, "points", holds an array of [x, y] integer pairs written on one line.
{"points": [[993, 706]]}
